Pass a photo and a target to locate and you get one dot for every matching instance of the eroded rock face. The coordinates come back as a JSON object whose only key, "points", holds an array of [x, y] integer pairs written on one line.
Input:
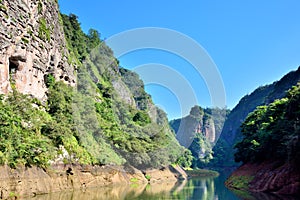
{"points": [[33, 181], [209, 130], [123, 92], [167, 174], [269, 177], [32, 45], [280, 180]]}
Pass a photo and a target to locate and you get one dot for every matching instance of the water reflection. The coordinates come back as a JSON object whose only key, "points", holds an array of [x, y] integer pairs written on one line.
{"points": [[208, 188]]}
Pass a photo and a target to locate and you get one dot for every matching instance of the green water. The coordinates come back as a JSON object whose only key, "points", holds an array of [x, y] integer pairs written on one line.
{"points": [[209, 188]]}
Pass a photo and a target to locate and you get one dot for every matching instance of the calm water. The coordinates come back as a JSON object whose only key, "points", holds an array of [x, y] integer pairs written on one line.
{"points": [[209, 188]]}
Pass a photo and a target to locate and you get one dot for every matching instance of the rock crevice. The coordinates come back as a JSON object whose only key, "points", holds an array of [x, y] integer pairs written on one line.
{"points": [[32, 45]]}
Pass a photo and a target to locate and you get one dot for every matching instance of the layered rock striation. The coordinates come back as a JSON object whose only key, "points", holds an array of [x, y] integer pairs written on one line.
{"points": [[32, 45], [33, 181]]}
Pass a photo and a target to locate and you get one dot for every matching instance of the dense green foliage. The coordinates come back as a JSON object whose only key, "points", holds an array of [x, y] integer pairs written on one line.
{"points": [[141, 118], [62, 129], [107, 119], [80, 44], [31, 136], [109, 127], [132, 132], [231, 133], [201, 150], [21, 141], [272, 132]]}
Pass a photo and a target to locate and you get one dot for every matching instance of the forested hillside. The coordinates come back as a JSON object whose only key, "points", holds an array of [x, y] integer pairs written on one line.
{"points": [[272, 132], [231, 133], [270, 149], [107, 118]]}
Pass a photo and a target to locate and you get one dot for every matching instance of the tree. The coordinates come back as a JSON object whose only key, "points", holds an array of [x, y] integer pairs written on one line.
{"points": [[271, 131]]}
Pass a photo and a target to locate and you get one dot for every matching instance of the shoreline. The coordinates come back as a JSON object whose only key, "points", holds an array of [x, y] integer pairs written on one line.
{"points": [[266, 177], [202, 173], [29, 182]]}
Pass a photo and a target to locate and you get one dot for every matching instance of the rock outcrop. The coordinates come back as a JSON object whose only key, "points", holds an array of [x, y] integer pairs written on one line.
{"points": [[269, 176], [166, 174], [209, 130], [32, 45], [199, 121], [33, 181]]}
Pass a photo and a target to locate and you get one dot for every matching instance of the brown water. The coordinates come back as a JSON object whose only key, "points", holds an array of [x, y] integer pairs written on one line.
{"points": [[209, 188]]}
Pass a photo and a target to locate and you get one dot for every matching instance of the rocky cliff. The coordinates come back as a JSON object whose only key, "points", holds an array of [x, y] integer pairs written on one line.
{"points": [[199, 121], [107, 119], [32, 45], [209, 130], [199, 131], [22, 182]]}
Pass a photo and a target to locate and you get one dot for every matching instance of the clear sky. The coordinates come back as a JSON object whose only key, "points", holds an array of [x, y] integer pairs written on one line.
{"points": [[252, 43]]}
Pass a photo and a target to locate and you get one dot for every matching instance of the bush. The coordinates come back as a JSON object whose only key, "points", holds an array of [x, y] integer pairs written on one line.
{"points": [[141, 118]]}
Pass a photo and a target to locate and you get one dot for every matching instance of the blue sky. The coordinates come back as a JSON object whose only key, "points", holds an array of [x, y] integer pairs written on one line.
{"points": [[252, 43]]}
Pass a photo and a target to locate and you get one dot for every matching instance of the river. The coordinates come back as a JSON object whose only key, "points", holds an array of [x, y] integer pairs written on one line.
{"points": [[208, 188]]}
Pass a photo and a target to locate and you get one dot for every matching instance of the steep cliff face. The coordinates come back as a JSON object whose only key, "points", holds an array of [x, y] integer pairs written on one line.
{"points": [[199, 131], [32, 46], [207, 122], [209, 130]]}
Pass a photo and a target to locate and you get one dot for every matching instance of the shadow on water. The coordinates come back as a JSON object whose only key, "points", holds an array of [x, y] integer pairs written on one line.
{"points": [[206, 188]]}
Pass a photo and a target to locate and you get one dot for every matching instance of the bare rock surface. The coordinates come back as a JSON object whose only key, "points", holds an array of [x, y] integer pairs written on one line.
{"points": [[25, 181], [32, 181], [270, 177], [32, 45]]}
